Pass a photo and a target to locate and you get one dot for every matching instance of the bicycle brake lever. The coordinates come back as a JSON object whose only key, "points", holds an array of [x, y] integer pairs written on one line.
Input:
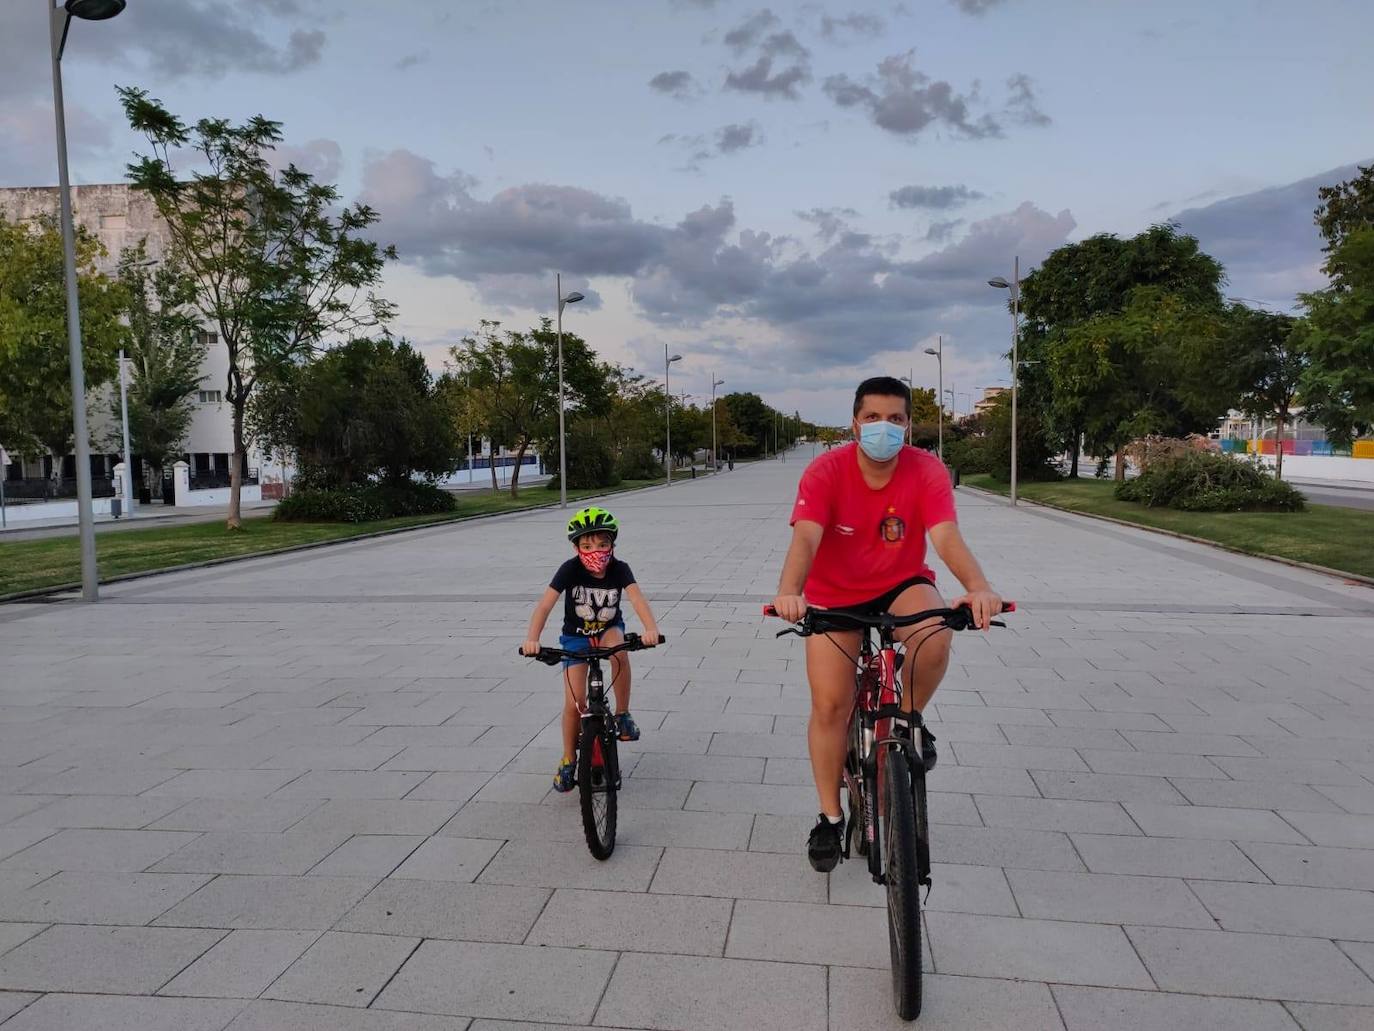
{"points": [[789, 630], [997, 622]]}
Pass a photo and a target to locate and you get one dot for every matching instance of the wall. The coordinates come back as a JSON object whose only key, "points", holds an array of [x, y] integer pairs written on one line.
{"points": [[51, 510], [217, 496], [1328, 467]]}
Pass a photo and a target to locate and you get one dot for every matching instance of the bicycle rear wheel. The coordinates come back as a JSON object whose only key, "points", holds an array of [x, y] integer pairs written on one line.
{"points": [[598, 776], [903, 883]]}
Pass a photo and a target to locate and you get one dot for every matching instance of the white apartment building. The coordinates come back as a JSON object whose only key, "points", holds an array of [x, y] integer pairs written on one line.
{"points": [[120, 217]]}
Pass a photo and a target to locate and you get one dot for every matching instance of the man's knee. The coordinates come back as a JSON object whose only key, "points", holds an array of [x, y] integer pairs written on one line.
{"points": [[829, 712]]}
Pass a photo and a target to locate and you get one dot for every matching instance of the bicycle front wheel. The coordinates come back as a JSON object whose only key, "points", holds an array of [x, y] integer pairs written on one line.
{"points": [[903, 883], [598, 777]]}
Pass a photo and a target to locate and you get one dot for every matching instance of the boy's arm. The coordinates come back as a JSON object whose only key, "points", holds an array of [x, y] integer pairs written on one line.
{"points": [[981, 598], [646, 615], [806, 538], [538, 618]]}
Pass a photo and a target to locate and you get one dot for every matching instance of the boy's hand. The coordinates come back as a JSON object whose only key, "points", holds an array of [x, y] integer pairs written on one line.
{"points": [[791, 607], [530, 648], [651, 638]]}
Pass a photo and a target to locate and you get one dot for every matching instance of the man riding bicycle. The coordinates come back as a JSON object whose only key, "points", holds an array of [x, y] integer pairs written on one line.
{"points": [[858, 542]]}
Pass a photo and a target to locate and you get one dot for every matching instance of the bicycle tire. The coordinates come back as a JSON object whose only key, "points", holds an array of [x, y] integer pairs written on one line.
{"points": [[598, 775], [922, 813], [903, 883], [857, 828]]}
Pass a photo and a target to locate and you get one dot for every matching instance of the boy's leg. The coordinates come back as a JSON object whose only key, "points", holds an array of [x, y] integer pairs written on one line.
{"points": [[574, 699], [620, 669]]}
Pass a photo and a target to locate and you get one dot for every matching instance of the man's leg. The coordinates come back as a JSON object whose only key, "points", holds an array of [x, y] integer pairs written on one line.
{"points": [[831, 673], [927, 648]]}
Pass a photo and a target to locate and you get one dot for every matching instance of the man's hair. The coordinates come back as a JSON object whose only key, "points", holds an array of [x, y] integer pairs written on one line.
{"points": [[883, 386]]}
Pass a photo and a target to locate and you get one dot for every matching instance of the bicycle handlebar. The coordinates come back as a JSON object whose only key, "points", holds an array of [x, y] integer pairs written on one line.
{"points": [[553, 656], [816, 621]]}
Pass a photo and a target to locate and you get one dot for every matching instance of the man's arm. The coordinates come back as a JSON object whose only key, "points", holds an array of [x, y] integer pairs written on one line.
{"points": [[981, 598], [806, 538]]}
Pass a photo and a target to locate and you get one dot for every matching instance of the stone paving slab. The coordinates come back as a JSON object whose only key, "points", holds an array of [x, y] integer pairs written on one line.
{"points": [[312, 793]]}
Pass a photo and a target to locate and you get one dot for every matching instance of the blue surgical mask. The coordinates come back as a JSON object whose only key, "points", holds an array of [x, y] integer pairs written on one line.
{"points": [[881, 440]]}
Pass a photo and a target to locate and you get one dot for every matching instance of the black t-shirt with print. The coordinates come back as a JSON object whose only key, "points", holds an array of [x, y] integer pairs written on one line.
{"points": [[591, 603]]}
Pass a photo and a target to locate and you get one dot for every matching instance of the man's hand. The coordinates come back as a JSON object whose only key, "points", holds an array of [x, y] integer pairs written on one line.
{"points": [[651, 637], [985, 604], [790, 607], [530, 648]]}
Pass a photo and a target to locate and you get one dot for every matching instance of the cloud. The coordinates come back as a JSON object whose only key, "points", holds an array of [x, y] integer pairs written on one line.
{"points": [[854, 297], [731, 138], [680, 85], [322, 158], [905, 101], [747, 33], [976, 7], [1022, 105], [937, 197], [411, 60], [856, 23], [939, 232], [759, 78], [29, 156], [1267, 238]]}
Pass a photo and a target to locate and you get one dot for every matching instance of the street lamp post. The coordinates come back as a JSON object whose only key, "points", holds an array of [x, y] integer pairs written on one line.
{"points": [[668, 412], [715, 453], [59, 21], [572, 298], [1015, 287], [124, 419], [910, 382], [939, 353]]}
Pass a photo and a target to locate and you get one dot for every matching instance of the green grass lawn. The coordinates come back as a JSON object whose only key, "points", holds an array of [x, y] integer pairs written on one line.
{"points": [[1338, 538], [56, 561]]}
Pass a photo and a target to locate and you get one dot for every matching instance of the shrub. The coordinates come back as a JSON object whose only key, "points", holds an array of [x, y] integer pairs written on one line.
{"points": [[363, 503], [970, 455], [637, 462], [1203, 481]]}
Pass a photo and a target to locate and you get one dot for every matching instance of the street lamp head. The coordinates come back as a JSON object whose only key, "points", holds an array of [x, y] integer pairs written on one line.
{"points": [[931, 350], [94, 10], [573, 298], [999, 283], [718, 383], [675, 358]]}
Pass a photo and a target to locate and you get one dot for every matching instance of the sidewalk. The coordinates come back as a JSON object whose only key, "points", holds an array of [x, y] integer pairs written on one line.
{"points": [[314, 792]]}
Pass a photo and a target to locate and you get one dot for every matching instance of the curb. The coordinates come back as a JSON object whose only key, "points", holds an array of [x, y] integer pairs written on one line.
{"points": [[47, 592], [1368, 581]]}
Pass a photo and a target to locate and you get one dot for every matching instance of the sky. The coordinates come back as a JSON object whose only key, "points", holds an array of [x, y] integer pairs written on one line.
{"points": [[792, 196]]}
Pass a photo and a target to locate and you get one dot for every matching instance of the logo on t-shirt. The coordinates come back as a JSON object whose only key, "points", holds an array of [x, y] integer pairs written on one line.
{"points": [[892, 529]]}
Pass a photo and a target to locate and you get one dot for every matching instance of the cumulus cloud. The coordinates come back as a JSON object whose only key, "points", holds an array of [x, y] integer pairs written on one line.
{"points": [[781, 63], [906, 101], [28, 156], [938, 197], [411, 60], [759, 77], [680, 85], [939, 232], [854, 24], [730, 138], [829, 222], [1022, 105], [976, 7], [322, 158], [747, 33]]}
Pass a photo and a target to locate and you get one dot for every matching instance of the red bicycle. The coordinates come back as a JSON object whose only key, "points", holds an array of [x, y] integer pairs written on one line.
{"points": [[890, 750]]}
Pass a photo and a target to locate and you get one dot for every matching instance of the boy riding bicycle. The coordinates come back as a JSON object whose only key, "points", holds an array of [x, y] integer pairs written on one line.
{"points": [[858, 542], [594, 583]]}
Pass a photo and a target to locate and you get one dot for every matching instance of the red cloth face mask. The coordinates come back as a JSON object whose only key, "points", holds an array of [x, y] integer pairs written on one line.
{"points": [[595, 562]]}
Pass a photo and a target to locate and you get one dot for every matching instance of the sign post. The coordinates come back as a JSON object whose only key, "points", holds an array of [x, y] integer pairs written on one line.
{"points": [[4, 472]]}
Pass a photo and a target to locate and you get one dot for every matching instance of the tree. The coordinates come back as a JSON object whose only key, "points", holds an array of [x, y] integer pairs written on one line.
{"points": [[277, 265], [1103, 289], [1268, 361], [35, 383], [164, 353], [754, 419], [923, 406], [516, 378], [1338, 386]]}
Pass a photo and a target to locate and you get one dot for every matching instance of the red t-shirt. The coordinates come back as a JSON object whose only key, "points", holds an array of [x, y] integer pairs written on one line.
{"points": [[874, 539]]}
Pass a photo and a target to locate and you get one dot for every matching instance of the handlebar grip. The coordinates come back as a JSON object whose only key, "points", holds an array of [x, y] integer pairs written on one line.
{"points": [[1008, 606], [768, 610]]}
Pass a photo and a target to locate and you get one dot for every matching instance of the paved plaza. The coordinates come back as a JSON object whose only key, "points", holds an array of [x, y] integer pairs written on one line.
{"points": [[312, 793]]}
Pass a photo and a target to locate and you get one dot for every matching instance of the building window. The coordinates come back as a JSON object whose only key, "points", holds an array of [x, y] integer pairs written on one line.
{"points": [[204, 337], [210, 397]]}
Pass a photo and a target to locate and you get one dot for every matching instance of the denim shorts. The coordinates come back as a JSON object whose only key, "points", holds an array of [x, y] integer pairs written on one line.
{"points": [[579, 643]]}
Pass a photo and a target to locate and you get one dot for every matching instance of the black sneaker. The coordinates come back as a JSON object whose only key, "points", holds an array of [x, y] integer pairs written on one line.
{"points": [[927, 748], [823, 847]]}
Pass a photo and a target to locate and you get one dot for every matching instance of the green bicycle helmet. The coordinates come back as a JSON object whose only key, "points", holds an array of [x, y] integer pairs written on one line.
{"points": [[592, 520]]}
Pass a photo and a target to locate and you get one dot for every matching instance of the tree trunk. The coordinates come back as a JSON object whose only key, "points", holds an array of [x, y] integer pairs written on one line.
{"points": [[515, 472], [1120, 466], [235, 520], [1073, 461], [1278, 448], [491, 463]]}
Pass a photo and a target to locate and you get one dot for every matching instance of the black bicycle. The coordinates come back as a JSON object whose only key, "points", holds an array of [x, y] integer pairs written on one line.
{"points": [[890, 750], [598, 764]]}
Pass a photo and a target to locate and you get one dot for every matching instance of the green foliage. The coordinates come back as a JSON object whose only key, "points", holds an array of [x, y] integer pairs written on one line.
{"points": [[1035, 449], [589, 459], [35, 384], [366, 410], [163, 354], [363, 503], [1338, 386], [923, 406], [1203, 481], [970, 455], [637, 462], [278, 264]]}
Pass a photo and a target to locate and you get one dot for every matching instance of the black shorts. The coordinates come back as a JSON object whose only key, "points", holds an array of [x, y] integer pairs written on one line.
{"points": [[877, 606]]}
